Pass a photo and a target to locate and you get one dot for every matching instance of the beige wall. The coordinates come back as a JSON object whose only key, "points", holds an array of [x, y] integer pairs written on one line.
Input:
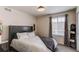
{"points": [[43, 23], [42, 26], [14, 17]]}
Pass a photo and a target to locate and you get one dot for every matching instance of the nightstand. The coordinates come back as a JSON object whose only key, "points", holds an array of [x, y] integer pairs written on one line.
{"points": [[4, 46]]}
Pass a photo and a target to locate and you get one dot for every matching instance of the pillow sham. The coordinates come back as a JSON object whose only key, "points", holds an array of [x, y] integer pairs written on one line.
{"points": [[25, 35], [22, 35], [31, 34]]}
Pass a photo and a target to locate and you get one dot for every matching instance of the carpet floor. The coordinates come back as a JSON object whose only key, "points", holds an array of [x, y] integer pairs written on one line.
{"points": [[62, 48]]}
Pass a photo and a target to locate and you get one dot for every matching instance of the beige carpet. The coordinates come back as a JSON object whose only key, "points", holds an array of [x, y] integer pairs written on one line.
{"points": [[62, 48]]}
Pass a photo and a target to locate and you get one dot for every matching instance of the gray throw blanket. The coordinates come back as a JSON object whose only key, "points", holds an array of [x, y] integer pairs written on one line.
{"points": [[49, 43]]}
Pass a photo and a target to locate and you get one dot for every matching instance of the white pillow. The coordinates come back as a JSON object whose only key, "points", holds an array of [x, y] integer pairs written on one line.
{"points": [[22, 35], [31, 34]]}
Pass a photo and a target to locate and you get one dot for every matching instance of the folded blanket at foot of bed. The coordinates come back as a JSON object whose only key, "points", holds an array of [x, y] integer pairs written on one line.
{"points": [[50, 43]]}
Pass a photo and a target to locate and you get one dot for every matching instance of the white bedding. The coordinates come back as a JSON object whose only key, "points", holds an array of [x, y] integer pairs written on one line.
{"points": [[33, 44]]}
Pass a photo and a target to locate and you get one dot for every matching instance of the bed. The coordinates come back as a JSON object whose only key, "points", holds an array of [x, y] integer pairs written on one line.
{"points": [[31, 43]]}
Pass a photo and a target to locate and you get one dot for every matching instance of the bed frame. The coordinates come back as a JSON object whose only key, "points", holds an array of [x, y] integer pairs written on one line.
{"points": [[15, 29]]}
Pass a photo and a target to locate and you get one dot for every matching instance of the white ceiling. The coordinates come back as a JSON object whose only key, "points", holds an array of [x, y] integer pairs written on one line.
{"points": [[49, 9]]}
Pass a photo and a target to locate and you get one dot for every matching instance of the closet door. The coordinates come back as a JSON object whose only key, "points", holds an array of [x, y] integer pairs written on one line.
{"points": [[77, 32]]}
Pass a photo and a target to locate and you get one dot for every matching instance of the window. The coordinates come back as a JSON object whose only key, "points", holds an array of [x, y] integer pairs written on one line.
{"points": [[58, 25]]}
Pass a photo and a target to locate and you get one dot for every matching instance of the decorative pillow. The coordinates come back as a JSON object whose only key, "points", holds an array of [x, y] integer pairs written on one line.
{"points": [[22, 35], [31, 34]]}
